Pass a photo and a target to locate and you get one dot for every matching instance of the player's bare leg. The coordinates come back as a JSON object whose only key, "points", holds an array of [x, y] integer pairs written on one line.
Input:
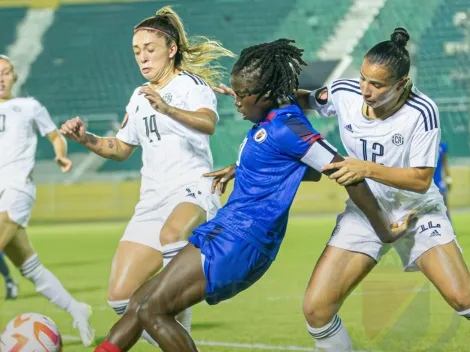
{"points": [[8, 229], [133, 264], [174, 237], [335, 276], [445, 267], [20, 251], [154, 306]]}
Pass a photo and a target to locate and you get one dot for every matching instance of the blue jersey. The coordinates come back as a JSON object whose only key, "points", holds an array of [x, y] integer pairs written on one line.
{"points": [[439, 171], [268, 173]]}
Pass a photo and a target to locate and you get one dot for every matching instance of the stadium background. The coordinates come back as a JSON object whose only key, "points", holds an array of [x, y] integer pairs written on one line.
{"points": [[75, 57]]}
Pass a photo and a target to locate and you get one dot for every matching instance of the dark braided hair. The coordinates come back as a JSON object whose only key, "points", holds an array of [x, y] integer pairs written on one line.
{"points": [[276, 66]]}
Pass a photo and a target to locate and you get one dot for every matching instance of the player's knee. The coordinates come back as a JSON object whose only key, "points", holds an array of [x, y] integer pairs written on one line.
{"points": [[146, 319], [317, 313], [118, 293], [169, 234], [143, 311], [460, 300]]}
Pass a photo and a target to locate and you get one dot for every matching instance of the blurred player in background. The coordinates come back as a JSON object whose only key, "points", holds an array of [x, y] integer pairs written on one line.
{"points": [[442, 177], [232, 251], [171, 117], [20, 120], [11, 286]]}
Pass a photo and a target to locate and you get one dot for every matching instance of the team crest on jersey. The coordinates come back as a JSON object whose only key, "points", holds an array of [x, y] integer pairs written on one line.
{"points": [[398, 139], [261, 135], [168, 97]]}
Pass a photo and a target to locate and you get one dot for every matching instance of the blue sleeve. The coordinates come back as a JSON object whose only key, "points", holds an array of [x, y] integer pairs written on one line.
{"points": [[294, 136]]}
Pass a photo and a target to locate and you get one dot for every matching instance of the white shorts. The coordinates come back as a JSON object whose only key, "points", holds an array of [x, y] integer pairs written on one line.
{"points": [[354, 233], [155, 206], [18, 203]]}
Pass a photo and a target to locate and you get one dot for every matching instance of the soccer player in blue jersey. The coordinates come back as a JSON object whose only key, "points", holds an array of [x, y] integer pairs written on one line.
{"points": [[442, 177], [232, 251]]}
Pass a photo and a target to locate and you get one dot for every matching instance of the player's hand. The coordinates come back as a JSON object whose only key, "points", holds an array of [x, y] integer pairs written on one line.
{"points": [[155, 100], [75, 130], [221, 178], [64, 163], [399, 230], [350, 171], [223, 89]]}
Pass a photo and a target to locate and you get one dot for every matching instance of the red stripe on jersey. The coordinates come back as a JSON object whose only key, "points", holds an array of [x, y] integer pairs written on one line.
{"points": [[316, 138], [271, 116], [311, 138], [307, 137]]}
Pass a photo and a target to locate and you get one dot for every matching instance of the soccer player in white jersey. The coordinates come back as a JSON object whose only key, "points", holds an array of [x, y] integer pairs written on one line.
{"points": [[171, 118], [391, 132], [20, 120]]}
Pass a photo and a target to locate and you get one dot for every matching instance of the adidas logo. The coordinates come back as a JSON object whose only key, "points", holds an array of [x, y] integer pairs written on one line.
{"points": [[190, 194], [434, 233], [348, 127]]}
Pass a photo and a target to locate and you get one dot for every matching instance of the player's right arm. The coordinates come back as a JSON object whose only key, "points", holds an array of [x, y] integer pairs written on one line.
{"points": [[106, 147]]}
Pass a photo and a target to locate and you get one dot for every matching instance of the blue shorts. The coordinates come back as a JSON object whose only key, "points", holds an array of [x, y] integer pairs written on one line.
{"points": [[231, 263]]}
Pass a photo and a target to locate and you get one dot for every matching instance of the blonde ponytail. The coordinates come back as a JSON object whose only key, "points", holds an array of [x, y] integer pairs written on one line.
{"points": [[196, 54]]}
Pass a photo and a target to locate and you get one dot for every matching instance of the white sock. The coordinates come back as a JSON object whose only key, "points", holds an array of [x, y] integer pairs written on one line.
{"points": [[465, 314], [331, 338], [47, 284], [120, 308], [169, 251]]}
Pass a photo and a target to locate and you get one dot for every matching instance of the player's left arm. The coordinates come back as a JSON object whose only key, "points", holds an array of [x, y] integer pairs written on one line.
{"points": [[312, 175], [60, 149], [47, 128], [203, 118]]}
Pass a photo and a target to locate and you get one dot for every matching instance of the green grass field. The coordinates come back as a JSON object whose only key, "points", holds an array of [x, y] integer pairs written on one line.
{"points": [[390, 311]]}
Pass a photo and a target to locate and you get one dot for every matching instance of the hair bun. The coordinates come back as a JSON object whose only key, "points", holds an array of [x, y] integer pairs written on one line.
{"points": [[400, 37]]}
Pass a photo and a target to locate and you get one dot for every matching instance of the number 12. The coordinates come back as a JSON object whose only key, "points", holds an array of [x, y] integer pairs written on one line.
{"points": [[377, 150]]}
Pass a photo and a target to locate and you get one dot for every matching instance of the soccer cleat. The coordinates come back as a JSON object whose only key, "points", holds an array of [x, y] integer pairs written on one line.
{"points": [[11, 290], [81, 321]]}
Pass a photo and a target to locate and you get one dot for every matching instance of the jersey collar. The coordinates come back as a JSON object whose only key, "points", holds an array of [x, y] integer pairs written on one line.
{"points": [[275, 112]]}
